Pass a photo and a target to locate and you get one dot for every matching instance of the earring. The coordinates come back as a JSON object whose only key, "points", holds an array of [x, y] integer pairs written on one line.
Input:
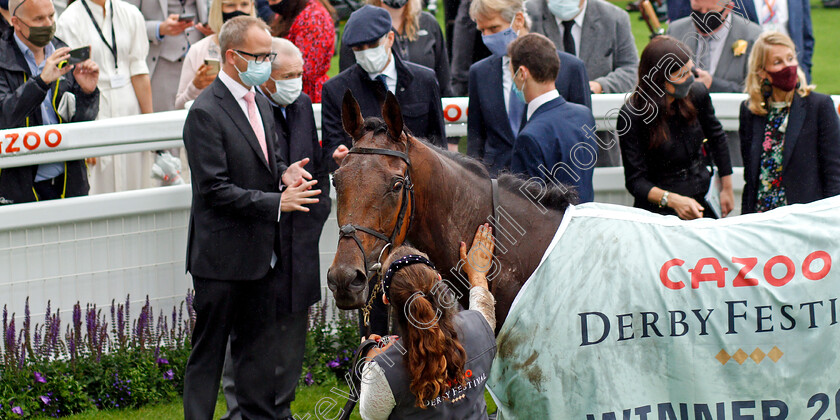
{"points": [[766, 91]]}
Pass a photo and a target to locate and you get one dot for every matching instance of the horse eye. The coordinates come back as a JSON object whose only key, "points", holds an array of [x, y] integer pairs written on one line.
{"points": [[397, 185]]}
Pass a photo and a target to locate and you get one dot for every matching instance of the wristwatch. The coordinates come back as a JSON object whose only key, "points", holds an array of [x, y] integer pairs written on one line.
{"points": [[664, 200]]}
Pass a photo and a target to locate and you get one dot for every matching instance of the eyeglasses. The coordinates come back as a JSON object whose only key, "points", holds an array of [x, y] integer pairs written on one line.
{"points": [[259, 58]]}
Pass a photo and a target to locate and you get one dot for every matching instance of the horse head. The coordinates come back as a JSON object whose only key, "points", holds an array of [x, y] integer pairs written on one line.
{"points": [[375, 199]]}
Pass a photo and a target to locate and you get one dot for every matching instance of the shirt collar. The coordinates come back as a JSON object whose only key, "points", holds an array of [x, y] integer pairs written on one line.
{"points": [[537, 102], [390, 70], [49, 49], [236, 89]]}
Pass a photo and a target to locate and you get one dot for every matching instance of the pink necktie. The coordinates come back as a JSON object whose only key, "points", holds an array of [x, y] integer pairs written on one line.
{"points": [[253, 116]]}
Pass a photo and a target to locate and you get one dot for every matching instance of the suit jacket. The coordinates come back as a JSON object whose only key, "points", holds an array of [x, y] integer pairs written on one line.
{"points": [[607, 46], [236, 193], [811, 154], [156, 11], [548, 138], [467, 48], [731, 71], [417, 92], [300, 284], [21, 96], [799, 26], [489, 136]]}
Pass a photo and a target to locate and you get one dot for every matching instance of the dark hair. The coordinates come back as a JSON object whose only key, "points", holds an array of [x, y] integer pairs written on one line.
{"points": [[435, 358], [538, 54], [289, 10], [663, 54]]}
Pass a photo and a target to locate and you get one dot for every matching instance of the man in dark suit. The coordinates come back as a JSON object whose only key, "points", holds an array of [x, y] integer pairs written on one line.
{"points": [[368, 33], [495, 112], [299, 285], [552, 145], [233, 250]]}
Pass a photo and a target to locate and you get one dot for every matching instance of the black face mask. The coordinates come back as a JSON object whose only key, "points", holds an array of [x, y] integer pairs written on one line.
{"points": [[279, 8], [228, 16], [708, 22], [395, 4]]}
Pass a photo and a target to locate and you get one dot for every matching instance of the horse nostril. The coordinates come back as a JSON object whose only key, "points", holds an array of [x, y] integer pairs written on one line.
{"points": [[344, 277], [361, 279]]}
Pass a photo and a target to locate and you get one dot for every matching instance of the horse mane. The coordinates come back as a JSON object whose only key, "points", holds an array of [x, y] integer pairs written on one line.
{"points": [[554, 197]]}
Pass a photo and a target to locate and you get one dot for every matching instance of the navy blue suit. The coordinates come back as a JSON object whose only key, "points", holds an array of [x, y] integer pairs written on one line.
{"points": [[489, 136], [799, 24], [549, 138]]}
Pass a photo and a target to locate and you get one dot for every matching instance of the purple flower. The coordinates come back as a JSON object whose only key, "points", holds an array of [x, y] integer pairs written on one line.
{"points": [[333, 363], [169, 375], [45, 399], [308, 379], [17, 410], [162, 361], [39, 378]]}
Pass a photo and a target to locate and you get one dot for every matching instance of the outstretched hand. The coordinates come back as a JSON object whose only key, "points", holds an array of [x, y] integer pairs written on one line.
{"points": [[295, 173], [479, 259]]}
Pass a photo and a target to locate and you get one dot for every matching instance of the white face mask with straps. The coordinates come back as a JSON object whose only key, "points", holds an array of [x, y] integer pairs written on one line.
{"points": [[373, 60], [287, 90]]}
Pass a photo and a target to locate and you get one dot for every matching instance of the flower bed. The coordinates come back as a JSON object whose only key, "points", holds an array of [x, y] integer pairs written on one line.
{"points": [[104, 361]]}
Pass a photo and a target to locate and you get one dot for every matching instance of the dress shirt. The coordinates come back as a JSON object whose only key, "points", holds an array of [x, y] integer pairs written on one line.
{"points": [[390, 74], [715, 43], [540, 100], [506, 82], [779, 22], [47, 170], [577, 29]]}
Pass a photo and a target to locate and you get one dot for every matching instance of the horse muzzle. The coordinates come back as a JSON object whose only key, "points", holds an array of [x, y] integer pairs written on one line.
{"points": [[349, 286]]}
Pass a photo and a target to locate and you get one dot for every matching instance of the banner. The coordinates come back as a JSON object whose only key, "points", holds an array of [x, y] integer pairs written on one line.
{"points": [[632, 315]]}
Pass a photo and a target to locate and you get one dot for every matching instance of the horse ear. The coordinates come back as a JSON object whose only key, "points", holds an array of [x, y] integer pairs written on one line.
{"points": [[393, 116], [351, 116]]}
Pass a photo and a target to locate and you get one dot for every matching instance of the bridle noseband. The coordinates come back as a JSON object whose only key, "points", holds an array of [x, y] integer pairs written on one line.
{"points": [[349, 230]]}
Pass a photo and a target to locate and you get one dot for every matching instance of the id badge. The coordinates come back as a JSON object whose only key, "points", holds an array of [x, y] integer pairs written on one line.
{"points": [[119, 80]]}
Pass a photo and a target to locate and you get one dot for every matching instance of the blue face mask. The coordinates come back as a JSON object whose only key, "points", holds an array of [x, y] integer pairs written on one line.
{"points": [[564, 9], [498, 42], [516, 90], [256, 74]]}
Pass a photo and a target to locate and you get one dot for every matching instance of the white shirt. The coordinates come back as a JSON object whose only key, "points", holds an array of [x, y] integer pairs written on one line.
{"points": [[577, 28], [715, 42], [390, 73], [506, 82], [779, 22], [238, 91], [541, 100]]}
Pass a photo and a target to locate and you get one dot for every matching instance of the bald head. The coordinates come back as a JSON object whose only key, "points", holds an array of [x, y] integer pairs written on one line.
{"points": [[28, 14]]}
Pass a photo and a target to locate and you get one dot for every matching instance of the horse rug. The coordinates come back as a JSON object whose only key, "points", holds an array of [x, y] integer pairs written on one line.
{"points": [[632, 315]]}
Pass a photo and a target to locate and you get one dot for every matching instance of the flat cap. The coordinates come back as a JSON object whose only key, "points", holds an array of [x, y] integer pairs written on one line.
{"points": [[366, 25]]}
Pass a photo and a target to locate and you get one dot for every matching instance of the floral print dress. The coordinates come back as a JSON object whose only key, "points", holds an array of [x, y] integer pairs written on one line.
{"points": [[771, 192]]}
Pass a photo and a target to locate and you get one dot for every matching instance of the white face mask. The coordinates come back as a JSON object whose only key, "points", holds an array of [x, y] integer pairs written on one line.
{"points": [[373, 60], [286, 91]]}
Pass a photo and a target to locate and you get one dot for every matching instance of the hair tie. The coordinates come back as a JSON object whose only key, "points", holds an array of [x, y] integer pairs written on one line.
{"points": [[398, 264]]}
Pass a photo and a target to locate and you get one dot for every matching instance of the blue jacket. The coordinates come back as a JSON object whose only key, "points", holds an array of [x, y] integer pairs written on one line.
{"points": [[554, 138], [799, 24], [489, 136]]}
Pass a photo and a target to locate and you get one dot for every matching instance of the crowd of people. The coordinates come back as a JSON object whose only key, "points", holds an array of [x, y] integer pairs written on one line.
{"points": [[260, 175]]}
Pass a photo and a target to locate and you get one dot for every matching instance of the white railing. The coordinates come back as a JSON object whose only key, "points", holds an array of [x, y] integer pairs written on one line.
{"points": [[98, 248]]}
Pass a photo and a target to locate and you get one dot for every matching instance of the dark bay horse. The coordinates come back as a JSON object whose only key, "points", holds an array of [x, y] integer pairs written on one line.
{"points": [[394, 188]]}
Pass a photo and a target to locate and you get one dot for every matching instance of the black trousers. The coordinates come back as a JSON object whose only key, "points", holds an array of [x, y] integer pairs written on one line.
{"points": [[245, 312], [50, 189]]}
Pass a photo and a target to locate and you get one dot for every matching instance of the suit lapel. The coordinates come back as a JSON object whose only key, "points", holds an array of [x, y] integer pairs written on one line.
{"points": [[757, 141], [497, 96], [267, 116], [795, 121], [589, 33], [726, 56], [164, 9], [231, 107], [552, 31]]}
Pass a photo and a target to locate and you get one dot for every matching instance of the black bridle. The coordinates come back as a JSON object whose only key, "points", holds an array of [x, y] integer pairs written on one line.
{"points": [[349, 230]]}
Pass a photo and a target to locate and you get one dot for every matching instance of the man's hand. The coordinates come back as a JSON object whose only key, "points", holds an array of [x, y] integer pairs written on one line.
{"points": [[172, 26], [295, 173], [705, 77], [87, 75], [204, 29], [595, 87], [203, 77], [51, 72], [294, 198], [340, 153]]}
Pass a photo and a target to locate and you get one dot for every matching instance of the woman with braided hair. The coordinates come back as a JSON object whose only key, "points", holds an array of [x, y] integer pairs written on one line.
{"points": [[438, 368]]}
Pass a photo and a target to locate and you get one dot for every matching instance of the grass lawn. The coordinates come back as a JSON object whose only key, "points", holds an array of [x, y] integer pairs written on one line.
{"points": [[826, 51], [305, 401]]}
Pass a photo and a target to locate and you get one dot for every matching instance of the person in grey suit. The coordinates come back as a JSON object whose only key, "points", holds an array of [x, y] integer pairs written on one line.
{"points": [[720, 42], [170, 36], [600, 36], [598, 33]]}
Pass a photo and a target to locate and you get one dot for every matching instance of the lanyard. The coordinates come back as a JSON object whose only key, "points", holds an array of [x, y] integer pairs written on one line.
{"points": [[113, 45], [771, 7]]}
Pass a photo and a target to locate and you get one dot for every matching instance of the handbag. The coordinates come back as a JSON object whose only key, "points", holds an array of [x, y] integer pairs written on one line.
{"points": [[712, 196]]}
